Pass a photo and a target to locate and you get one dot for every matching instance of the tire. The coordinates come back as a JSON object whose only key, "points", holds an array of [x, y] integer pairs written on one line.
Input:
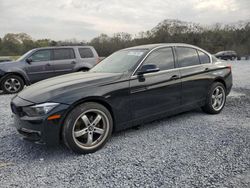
{"points": [[215, 100], [87, 128], [83, 70], [12, 84]]}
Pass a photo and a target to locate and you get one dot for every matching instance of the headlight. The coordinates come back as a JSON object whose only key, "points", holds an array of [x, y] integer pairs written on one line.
{"points": [[39, 109]]}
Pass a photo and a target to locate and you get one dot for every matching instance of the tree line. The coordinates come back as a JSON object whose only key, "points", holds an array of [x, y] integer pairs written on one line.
{"points": [[214, 38]]}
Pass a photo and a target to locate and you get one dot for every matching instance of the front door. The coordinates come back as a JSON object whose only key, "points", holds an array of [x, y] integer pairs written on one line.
{"points": [[156, 93], [39, 68], [64, 61]]}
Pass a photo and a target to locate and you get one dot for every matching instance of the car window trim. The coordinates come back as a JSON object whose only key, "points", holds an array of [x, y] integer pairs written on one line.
{"points": [[175, 58], [170, 70]]}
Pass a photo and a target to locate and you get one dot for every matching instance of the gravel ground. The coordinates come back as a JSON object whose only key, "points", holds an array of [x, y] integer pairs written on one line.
{"points": [[192, 149]]}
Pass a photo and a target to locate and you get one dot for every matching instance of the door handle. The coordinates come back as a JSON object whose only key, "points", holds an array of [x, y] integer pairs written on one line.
{"points": [[174, 77], [207, 69], [73, 62], [48, 64]]}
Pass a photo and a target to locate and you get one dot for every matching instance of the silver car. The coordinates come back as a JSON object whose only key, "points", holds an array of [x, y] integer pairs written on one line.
{"points": [[42, 63]]}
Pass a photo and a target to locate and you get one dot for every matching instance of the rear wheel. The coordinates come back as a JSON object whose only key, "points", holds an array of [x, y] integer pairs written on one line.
{"points": [[87, 128], [83, 70], [216, 99], [12, 84]]}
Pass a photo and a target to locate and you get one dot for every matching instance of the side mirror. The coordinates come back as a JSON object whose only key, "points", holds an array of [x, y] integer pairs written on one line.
{"points": [[150, 68], [29, 60]]}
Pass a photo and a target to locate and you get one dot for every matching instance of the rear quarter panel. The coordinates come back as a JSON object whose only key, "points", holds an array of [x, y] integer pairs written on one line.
{"points": [[85, 62], [224, 72]]}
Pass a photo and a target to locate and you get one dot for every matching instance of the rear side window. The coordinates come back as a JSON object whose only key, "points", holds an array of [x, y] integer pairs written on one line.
{"points": [[187, 56], [163, 58], [204, 58], [64, 53], [41, 55], [86, 53]]}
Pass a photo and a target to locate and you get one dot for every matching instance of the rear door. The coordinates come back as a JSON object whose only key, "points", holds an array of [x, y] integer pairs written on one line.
{"points": [[156, 93], [63, 60], [193, 65], [40, 67]]}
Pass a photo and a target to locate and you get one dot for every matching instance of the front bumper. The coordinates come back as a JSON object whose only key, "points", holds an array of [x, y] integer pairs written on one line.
{"points": [[38, 129]]}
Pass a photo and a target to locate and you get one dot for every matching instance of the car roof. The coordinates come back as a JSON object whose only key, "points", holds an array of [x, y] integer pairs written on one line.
{"points": [[55, 47], [231, 51], [152, 46]]}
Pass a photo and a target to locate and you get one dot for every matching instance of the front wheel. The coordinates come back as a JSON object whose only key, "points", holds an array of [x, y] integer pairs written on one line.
{"points": [[216, 99], [12, 84], [87, 128]]}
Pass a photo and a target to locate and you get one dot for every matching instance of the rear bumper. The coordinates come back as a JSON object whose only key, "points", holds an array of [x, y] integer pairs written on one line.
{"points": [[229, 88], [38, 129]]}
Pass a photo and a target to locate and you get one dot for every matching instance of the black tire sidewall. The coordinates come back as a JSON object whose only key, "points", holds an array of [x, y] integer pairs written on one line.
{"points": [[69, 125], [12, 76]]}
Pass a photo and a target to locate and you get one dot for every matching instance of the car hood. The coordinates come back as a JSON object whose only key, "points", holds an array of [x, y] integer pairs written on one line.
{"points": [[50, 89], [9, 66], [6, 63]]}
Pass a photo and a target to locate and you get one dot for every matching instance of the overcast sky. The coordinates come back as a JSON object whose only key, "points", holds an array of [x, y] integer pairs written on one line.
{"points": [[85, 19]]}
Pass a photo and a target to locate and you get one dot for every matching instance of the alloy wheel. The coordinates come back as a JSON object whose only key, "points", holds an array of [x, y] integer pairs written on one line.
{"points": [[90, 129], [218, 98], [12, 85]]}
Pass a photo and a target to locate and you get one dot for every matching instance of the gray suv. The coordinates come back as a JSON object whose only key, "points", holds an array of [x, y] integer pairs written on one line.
{"points": [[42, 63]]}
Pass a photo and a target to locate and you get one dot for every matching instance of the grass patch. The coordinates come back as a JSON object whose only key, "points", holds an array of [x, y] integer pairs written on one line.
{"points": [[9, 57]]}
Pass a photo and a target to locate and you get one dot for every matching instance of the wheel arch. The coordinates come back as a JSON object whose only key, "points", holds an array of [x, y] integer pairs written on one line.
{"points": [[17, 74], [83, 66], [221, 81], [83, 69]]}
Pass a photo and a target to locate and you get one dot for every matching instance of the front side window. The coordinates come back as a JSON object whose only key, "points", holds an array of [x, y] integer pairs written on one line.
{"points": [[187, 56], [86, 53], [64, 53], [163, 58], [41, 55], [204, 58]]}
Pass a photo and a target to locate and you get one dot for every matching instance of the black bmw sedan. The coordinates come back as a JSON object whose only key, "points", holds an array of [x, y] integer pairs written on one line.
{"points": [[132, 86]]}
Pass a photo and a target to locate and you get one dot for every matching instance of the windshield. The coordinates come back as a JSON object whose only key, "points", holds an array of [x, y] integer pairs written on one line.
{"points": [[24, 55], [120, 62]]}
